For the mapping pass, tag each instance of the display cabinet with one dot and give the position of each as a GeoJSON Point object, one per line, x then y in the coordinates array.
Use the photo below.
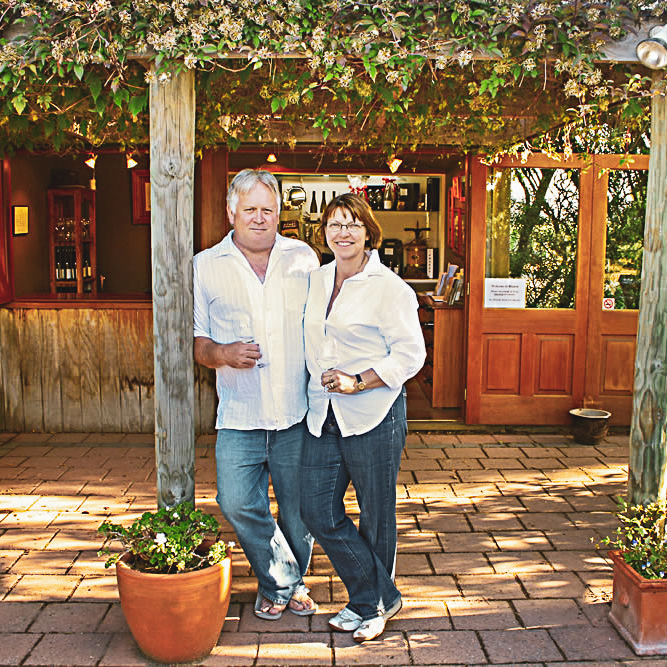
{"type": "Point", "coordinates": [72, 245]}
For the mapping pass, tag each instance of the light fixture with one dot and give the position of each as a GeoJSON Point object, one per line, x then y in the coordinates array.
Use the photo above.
{"type": "Point", "coordinates": [652, 52]}
{"type": "Point", "coordinates": [394, 163]}
{"type": "Point", "coordinates": [271, 157]}
{"type": "Point", "coordinates": [91, 160]}
{"type": "Point", "coordinates": [131, 162]}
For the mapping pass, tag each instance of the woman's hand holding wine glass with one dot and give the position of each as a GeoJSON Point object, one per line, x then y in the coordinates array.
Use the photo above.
{"type": "Point", "coordinates": [327, 358]}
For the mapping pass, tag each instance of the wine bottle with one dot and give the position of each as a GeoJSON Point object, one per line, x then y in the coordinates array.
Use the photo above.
{"type": "Point", "coordinates": [389, 196]}
{"type": "Point", "coordinates": [323, 203]}
{"type": "Point", "coordinates": [313, 208]}
{"type": "Point", "coordinates": [68, 269]}
{"type": "Point", "coordinates": [59, 267]}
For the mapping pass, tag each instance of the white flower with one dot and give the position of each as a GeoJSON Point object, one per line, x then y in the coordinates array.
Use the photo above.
{"type": "Point", "coordinates": [160, 538]}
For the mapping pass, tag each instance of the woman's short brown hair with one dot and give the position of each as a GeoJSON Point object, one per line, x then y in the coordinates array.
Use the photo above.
{"type": "Point", "coordinates": [358, 209]}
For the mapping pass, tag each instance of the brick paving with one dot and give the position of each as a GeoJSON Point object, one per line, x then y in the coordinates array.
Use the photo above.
{"type": "Point", "coordinates": [495, 562]}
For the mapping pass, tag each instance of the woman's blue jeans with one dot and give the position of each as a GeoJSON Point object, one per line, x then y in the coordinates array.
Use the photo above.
{"type": "Point", "coordinates": [279, 552]}
{"type": "Point", "coordinates": [364, 559]}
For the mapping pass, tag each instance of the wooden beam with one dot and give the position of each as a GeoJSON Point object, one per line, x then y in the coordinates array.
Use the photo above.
{"type": "Point", "coordinates": [172, 133]}
{"type": "Point", "coordinates": [213, 218]}
{"type": "Point", "coordinates": [647, 480]}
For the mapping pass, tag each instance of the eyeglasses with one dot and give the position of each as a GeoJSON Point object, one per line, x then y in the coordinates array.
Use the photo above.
{"type": "Point", "coordinates": [351, 227]}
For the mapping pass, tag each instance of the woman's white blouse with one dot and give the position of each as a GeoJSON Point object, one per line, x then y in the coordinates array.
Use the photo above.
{"type": "Point", "coordinates": [376, 324]}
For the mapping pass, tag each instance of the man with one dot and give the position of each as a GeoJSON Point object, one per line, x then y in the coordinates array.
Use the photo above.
{"type": "Point", "coordinates": [249, 297]}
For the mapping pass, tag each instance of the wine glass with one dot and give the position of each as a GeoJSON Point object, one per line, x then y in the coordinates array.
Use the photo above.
{"type": "Point", "coordinates": [327, 355]}
{"type": "Point", "coordinates": [244, 332]}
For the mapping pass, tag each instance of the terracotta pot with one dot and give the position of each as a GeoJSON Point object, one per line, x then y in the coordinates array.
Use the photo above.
{"type": "Point", "coordinates": [175, 617]}
{"type": "Point", "coordinates": [638, 608]}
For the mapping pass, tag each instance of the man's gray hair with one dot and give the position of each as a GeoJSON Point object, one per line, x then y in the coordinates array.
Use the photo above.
{"type": "Point", "coordinates": [246, 180]}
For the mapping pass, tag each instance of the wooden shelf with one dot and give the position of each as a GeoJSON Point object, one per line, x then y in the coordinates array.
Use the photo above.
{"type": "Point", "coordinates": [441, 378]}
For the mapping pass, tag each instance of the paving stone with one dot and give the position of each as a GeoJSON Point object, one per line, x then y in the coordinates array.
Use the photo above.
{"type": "Point", "coordinates": [468, 542]}
{"type": "Point", "coordinates": [70, 650]}
{"type": "Point", "coordinates": [296, 648]}
{"type": "Point", "coordinates": [418, 543]}
{"type": "Point", "coordinates": [524, 476]}
{"type": "Point", "coordinates": [413, 564]}
{"type": "Point", "coordinates": [18, 616]}
{"type": "Point", "coordinates": [443, 523]}
{"type": "Point", "coordinates": [546, 521]}
{"type": "Point", "coordinates": [288, 622]}
{"type": "Point", "coordinates": [594, 644]}
{"type": "Point", "coordinates": [114, 621]}
{"type": "Point", "coordinates": [474, 490]}
{"type": "Point", "coordinates": [528, 540]}
{"type": "Point", "coordinates": [488, 476]}
{"type": "Point", "coordinates": [591, 503]}
{"type": "Point", "coordinates": [550, 613]}
{"type": "Point", "coordinates": [69, 617]}
{"type": "Point", "coordinates": [494, 521]}
{"type": "Point", "coordinates": [43, 562]}
{"type": "Point", "coordinates": [498, 504]}
{"type": "Point", "coordinates": [45, 588]}
{"type": "Point", "coordinates": [552, 585]}
{"type": "Point", "coordinates": [513, 562]}
{"type": "Point", "coordinates": [543, 464]}
{"type": "Point", "coordinates": [424, 614]}
{"type": "Point", "coordinates": [470, 614]}
{"type": "Point", "coordinates": [434, 476]}
{"type": "Point", "coordinates": [7, 558]}
{"type": "Point", "coordinates": [434, 587]}
{"type": "Point", "coordinates": [96, 589]}
{"type": "Point", "coordinates": [452, 648]}
{"type": "Point", "coordinates": [14, 647]}
{"type": "Point", "coordinates": [388, 649]}
{"type": "Point", "coordinates": [577, 560]}
{"type": "Point", "coordinates": [461, 563]}
{"type": "Point", "coordinates": [490, 587]}
{"type": "Point", "coordinates": [122, 651]}
{"type": "Point", "coordinates": [519, 645]}
{"type": "Point", "coordinates": [502, 464]}
{"type": "Point", "coordinates": [234, 649]}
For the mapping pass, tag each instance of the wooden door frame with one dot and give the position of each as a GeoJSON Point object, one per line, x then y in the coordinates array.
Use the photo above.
{"type": "Point", "coordinates": [477, 262]}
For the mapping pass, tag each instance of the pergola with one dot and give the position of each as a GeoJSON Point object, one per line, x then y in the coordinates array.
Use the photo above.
{"type": "Point", "coordinates": [172, 157]}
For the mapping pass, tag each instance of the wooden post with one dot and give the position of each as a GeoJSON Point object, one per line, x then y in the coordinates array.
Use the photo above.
{"type": "Point", "coordinates": [172, 132]}
{"type": "Point", "coordinates": [648, 436]}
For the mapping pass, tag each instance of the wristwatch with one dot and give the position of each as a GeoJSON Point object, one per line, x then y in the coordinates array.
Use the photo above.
{"type": "Point", "coordinates": [361, 385]}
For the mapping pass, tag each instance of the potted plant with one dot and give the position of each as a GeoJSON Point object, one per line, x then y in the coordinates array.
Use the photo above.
{"type": "Point", "coordinates": [639, 554]}
{"type": "Point", "coordinates": [174, 581]}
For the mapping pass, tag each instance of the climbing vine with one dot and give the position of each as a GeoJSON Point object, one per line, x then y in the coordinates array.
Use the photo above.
{"type": "Point", "coordinates": [389, 73]}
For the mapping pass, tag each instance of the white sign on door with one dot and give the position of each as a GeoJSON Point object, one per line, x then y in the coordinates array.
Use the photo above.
{"type": "Point", "coordinates": [504, 292]}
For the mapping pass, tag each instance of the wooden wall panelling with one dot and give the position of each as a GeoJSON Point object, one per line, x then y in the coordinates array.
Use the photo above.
{"type": "Point", "coordinates": [70, 376]}
{"type": "Point", "coordinates": [147, 379]}
{"type": "Point", "coordinates": [51, 371]}
{"type": "Point", "coordinates": [91, 398]}
{"type": "Point", "coordinates": [3, 396]}
{"type": "Point", "coordinates": [31, 352]}
{"type": "Point", "coordinates": [128, 351]}
{"type": "Point", "coordinates": [11, 371]}
{"type": "Point", "coordinates": [110, 397]}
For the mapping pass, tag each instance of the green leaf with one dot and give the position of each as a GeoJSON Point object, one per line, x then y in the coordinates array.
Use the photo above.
{"type": "Point", "coordinates": [275, 104]}
{"type": "Point", "coordinates": [94, 85]}
{"type": "Point", "coordinates": [19, 103]}
{"type": "Point", "coordinates": [78, 70]}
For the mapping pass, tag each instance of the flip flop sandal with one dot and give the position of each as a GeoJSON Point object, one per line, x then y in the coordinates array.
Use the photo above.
{"type": "Point", "coordinates": [310, 606]}
{"type": "Point", "coordinates": [263, 609]}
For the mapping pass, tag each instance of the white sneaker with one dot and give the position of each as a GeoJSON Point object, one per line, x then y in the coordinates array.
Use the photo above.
{"type": "Point", "coordinates": [345, 620]}
{"type": "Point", "coordinates": [374, 627]}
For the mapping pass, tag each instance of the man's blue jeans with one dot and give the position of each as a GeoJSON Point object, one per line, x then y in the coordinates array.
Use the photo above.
{"type": "Point", "coordinates": [279, 553]}
{"type": "Point", "coordinates": [364, 559]}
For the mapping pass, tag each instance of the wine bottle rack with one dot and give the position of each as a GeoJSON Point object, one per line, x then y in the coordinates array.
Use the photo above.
{"type": "Point", "coordinates": [72, 241]}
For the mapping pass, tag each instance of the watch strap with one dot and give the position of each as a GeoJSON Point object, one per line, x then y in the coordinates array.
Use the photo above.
{"type": "Point", "coordinates": [361, 385]}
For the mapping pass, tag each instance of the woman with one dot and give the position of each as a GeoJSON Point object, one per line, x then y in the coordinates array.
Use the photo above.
{"type": "Point", "coordinates": [356, 411]}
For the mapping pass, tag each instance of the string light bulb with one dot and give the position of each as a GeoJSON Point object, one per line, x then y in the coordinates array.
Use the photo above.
{"type": "Point", "coordinates": [271, 157]}
{"type": "Point", "coordinates": [91, 161]}
{"type": "Point", "coordinates": [394, 163]}
{"type": "Point", "coordinates": [131, 162]}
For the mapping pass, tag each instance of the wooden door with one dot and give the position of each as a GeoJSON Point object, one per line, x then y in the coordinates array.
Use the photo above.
{"type": "Point", "coordinates": [612, 331]}
{"type": "Point", "coordinates": [526, 365]}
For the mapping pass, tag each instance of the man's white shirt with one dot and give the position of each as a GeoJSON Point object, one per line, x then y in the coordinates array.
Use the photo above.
{"type": "Point", "coordinates": [226, 288]}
